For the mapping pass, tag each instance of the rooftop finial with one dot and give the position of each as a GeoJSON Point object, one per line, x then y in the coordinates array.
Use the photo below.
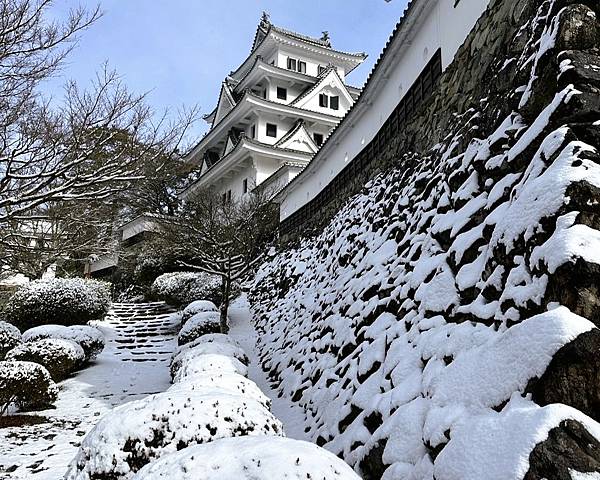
{"type": "Point", "coordinates": [325, 37]}
{"type": "Point", "coordinates": [265, 20]}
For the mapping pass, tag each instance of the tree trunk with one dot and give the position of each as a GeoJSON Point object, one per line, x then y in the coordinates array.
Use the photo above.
{"type": "Point", "coordinates": [226, 290]}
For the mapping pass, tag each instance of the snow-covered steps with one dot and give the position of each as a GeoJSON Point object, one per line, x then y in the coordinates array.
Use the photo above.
{"type": "Point", "coordinates": [135, 363]}
{"type": "Point", "coordinates": [144, 332]}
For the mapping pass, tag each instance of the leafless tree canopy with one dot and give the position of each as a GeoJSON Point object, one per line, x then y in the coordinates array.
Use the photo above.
{"type": "Point", "coordinates": [88, 147]}
{"type": "Point", "coordinates": [227, 239]}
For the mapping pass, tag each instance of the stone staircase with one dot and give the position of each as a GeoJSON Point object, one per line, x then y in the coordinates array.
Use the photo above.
{"type": "Point", "coordinates": [144, 332]}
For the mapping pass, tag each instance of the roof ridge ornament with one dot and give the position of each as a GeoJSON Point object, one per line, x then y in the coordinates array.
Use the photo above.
{"type": "Point", "coordinates": [265, 20]}
{"type": "Point", "coordinates": [325, 38]}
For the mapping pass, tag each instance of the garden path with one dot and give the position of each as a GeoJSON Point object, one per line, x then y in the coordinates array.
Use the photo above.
{"type": "Point", "coordinates": [242, 330]}
{"type": "Point", "coordinates": [135, 363]}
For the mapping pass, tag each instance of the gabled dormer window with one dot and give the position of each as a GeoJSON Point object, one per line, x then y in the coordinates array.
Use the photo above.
{"type": "Point", "coordinates": [327, 101]}
{"type": "Point", "coordinates": [296, 65]}
{"type": "Point", "coordinates": [334, 103]}
{"type": "Point", "coordinates": [323, 100]}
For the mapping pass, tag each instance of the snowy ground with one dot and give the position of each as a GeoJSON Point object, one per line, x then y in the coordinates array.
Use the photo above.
{"type": "Point", "coordinates": [135, 363]}
{"type": "Point", "coordinates": [241, 329]}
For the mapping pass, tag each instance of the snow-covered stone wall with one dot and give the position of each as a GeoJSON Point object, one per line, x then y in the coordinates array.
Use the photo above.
{"type": "Point", "coordinates": [444, 324]}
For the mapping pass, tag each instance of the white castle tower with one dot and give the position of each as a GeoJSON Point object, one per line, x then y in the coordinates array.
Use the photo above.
{"type": "Point", "coordinates": [274, 112]}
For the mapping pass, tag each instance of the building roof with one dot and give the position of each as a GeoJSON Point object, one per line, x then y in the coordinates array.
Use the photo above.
{"type": "Point", "coordinates": [245, 142]}
{"type": "Point", "coordinates": [266, 29]}
{"type": "Point", "coordinates": [406, 16]}
{"type": "Point", "coordinates": [322, 78]}
{"type": "Point", "coordinates": [248, 97]}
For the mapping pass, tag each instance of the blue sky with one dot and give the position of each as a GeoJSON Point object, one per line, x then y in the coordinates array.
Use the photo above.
{"type": "Point", "coordinates": [180, 50]}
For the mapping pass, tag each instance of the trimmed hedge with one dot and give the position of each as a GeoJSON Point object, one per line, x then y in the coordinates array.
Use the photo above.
{"type": "Point", "coordinates": [62, 301]}
{"type": "Point", "coordinates": [182, 288]}
{"type": "Point", "coordinates": [28, 385]}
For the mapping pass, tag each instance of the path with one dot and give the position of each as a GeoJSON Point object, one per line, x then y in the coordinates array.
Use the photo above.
{"type": "Point", "coordinates": [242, 330]}
{"type": "Point", "coordinates": [135, 363]}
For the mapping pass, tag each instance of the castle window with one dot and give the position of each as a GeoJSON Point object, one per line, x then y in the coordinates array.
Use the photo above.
{"type": "Point", "coordinates": [302, 67]}
{"type": "Point", "coordinates": [321, 69]}
{"type": "Point", "coordinates": [271, 130]}
{"type": "Point", "coordinates": [292, 63]}
{"type": "Point", "coordinates": [318, 138]}
{"type": "Point", "coordinates": [245, 185]}
{"type": "Point", "coordinates": [253, 131]}
{"type": "Point", "coordinates": [282, 93]}
{"type": "Point", "coordinates": [323, 100]}
{"type": "Point", "coordinates": [224, 197]}
{"type": "Point", "coordinates": [229, 195]}
{"type": "Point", "coordinates": [334, 103]}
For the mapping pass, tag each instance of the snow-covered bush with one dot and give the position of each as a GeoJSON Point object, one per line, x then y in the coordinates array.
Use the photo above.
{"type": "Point", "coordinates": [60, 357]}
{"type": "Point", "coordinates": [64, 301]}
{"type": "Point", "coordinates": [209, 338]}
{"type": "Point", "coordinates": [198, 306]}
{"type": "Point", "coordinates": [135, 434]}
{"type": "Point", "coordinates": [89, 338]}
{"type": "Point", "coordinates": [208, 363]}
{"type": "Point", "coordinates": [200, 324]}
{"type": "Point", "coordinates": [232, 382]}
{"type": "Point", "coordinates": [212, 348]}
{"type": "Point", "coordinates": [181, 288]}
{"type": "Point", "coordinates": [28, 385]}
{"type": "Point", "coordinates": [10, 337]}
{"type": "Point", "coordinates": [249, 458]}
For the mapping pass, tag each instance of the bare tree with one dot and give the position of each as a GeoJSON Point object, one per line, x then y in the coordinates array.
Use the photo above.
{"type": "Point", "coordinates": [90, 148]}
{"type": "Point", "coordinates": [227, 239]}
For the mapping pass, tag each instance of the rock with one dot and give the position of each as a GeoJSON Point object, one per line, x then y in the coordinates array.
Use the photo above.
{"type": "Point", "coordinates": [573, 376]}
{"type": "Point", "coordinates": [568, 447]}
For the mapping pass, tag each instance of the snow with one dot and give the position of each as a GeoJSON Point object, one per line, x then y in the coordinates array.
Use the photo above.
{"type": "Point", "coordinates": [496, 446]}
{"type": "Point", "coordinates": [200, 324]}
{"type": "Point", "coordinates": [60, 357]}
{"type": "Point", "coordinates": [208, 363]}
{"type": "Point", "coordinates": [211, 348]}
{"type": "Point", "coordinates": [198, 306]}
{"type": "Point", "coordinates": [243, 333]}
{"type": "Point", "coordinates": [249, 458]}
{"type": "Point", "coordinates": [88, 337]}
{"type": "Point", "coordinates": [134, 434]}
{"type": "Point", "coordinates": [127, 369]}
{"type": "Point", "coordinates": [10, 337]}
{"type": "Point", "coordinates": [232, 382]}
{"type": "Point", "coordinates": [568, 242]}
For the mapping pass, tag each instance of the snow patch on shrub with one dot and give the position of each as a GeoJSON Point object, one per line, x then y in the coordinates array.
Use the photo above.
{"type": "Point", "coordinates": [250, 458]}
{"type": "Point", "coordinates": [215, 348]}
{"type": "Point", "coordinates": [200, 324]}
{"type": "Point", "coordinates": [27, 385]}
{"type": "Point", "coordinates": [91, 339]}
{"type": "Point", "coordinates": [208, 363]}
{"type": "Point", "coordinates": [181, 288]}
{"type": "Point", "coordinates": [198, 306]}
{"type": "Point", "coordinates": [10, 337]}
{"type": "Point", "coordinates": [232, 383]}
{"type": "Point", "coordinates": [60, 357]}
{"type": "Point", "coordinates": [139, 432]}
{"type": "Point", "coordinates": [63, 301]}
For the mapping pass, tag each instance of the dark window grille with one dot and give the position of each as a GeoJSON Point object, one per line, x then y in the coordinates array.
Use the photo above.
{"type": "Point", "coordinates": [282, 93]}
{"type": "Point", "coordinates": [318, 137]}
{"type": "Point", "coordinates": [334, 103]}
{"type": "Point", "coordinates": [291, 63]}
{"type": "Point", "coordinates": [323, 100]}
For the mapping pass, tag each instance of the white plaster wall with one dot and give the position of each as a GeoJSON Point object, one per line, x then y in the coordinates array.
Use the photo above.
{"type": "Point", "coordinates": [442, 26]}
{"type": "Point", "coordinates": [283, 126]}
{"type": "Point", "coordinates": [292, 92]}
{"type": "Point", "coordinates": [235, 182]}
{"type": "Point", "coordinates": [313, 104]}
{"type": "Point", "coordinates": [137, 226]}
{"type": "Point", "coordinates": [312, 63]}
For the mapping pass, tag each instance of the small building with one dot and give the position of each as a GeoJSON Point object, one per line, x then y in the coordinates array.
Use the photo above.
{"type": "Point", "coordinates": [273, 113]}
{"type": "Point", "coordinates": [129, 235]}
{"type": "Point", "coordinates": [421, 47]}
